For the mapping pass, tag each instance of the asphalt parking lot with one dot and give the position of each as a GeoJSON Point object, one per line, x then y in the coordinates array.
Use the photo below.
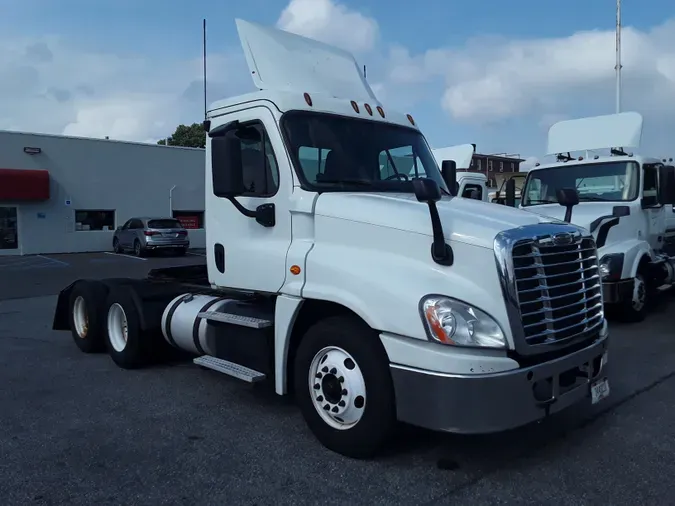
{"type": "Point", "coordinates": [75, 429]}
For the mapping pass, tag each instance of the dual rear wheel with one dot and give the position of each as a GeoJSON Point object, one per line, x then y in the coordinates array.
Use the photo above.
{"type": "Point", "coordinates": [342, 381]}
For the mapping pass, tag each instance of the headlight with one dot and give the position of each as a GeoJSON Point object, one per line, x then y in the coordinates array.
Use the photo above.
{"type": "Point", "coordinates": [450, 321]}
{"type": "Point", "coordinates": [611, 266]}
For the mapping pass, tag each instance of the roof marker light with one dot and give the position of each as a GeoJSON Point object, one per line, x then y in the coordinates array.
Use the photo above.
{"type": "Point", "coordinates": [308, 99]}
{"type": "Point", "coordinates": [410, 118]}
{"type": "Point", "coordinates": [355, 106]}
{"type": "Point", "coordinates": [368, 108]}
{"type": "Point", "coordinates": [380, 110]}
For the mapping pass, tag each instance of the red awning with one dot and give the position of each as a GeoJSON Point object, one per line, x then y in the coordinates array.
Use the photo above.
{"type": "Point", "coordinates": [24, 184]}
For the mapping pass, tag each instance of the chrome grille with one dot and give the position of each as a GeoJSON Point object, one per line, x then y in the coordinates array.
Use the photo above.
{"type": "Point", "coordinates": [557, 287]}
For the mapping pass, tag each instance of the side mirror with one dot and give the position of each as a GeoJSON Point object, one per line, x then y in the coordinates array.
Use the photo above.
{"type": "Point", "coordinates": [426, 190]}
{"type": "Point", "coordinates": [667, 184]}
{"type": "Point", "coordinates": [510, 193]}
{"type": "Point", "coordinates": [620, 211]}
{"type": "Point", "coordinates": [568, 198]}
{"type": "Point", "coordinates": [449, 173]}
{"type": "Point", "coordinates": [226, 168]}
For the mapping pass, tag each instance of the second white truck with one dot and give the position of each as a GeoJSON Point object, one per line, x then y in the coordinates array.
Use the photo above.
{"type": "Point", "coordinates": [371, 297]}
{"type": "Point", "coordinates": [624, 200]}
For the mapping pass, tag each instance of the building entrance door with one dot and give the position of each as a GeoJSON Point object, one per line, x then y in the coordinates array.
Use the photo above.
{"type": "Point", "coordinates": [9, 231]}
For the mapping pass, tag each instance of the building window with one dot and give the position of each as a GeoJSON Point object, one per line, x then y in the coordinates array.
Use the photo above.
{"type": "Point", "coordinates": [192, 220]}
{"type": "Point", "coordinates": [480, 164]}
{"type": "Point", "coordinates": [490, 165]}
{"type": "Point", "coordinates": [501, 166]}
{"type": "Point", "coordinates": [513, 167]}
{"type": "Point", "coordinates": [94, 219]}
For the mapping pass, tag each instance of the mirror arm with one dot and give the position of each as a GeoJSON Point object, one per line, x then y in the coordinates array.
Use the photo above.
{"type": "Point", "coordinates": [441, 252]}
{"type": "Point", "coordinates": [246, 212]}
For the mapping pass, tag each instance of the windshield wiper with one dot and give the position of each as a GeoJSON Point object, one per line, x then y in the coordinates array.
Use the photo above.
{"type": "Point", "coordinates": [592, 198]}
{"type": "Point", "coordinates": [361, 182]}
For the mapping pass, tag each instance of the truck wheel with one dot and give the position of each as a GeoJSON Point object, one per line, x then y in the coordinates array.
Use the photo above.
{"type": "Point", "coordinates": [124, 338]}
{"type": "Point", "coordinates": [344, 387]}
{"type": "Point", "coordinates": [86, 304]}
{"type": "Point", "coordinates": [635, 309]}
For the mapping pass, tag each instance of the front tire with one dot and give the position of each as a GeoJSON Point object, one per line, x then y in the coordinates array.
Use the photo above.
{"type": "Point", "coordinates": [344, 388]}
{"type": "Point", "coordinates": [116, 246]}
{"type": "Point", "coordinates": [636, 308]}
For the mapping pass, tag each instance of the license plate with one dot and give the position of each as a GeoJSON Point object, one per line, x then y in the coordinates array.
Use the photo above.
{"type": "Point", "coordinates": [599, 390]}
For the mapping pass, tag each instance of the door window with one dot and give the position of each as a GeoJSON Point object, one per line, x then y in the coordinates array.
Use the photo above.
{"type": "Point", "coordinates": [473, 191]}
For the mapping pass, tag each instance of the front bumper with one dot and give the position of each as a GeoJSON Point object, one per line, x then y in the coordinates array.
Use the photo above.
{"type": "Point", "coordinates": [484, 403]}
{"type": "Point", "coordinates": [617, 291]}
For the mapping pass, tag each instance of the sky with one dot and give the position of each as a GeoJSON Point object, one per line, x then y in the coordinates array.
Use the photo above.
{"type": "Point", "coordinates": [488, 72]}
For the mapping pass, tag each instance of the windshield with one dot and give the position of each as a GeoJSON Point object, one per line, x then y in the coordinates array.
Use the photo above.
{"type": "Point", "coordinates": [337, 153]}
{"type": "Point", "coordinates": [595, 182]}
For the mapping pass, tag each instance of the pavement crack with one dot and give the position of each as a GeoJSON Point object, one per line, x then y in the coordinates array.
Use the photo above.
{"type": "Point", "coordinates": [561, 435]}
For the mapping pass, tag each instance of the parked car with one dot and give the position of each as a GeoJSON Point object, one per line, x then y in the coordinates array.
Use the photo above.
{"type": "Point", "coordinates": [142, 235]}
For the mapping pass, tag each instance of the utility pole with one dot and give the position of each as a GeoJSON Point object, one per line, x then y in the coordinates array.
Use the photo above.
{"type": "Point", "coordinates": [618, 56]}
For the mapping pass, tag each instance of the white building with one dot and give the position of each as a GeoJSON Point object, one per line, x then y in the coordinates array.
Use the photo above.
{"type": "Point", "coordinates": [67, 194]}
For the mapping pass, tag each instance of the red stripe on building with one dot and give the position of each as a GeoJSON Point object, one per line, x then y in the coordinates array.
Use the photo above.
{"type": "Point", "coordinates": [24, 184]}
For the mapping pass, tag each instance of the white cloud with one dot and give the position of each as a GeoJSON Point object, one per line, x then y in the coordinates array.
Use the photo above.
{"type": "Point", "coordinates": [529, 162]}
{"type": "Point", "coordinates": [495, 78]}
{"type": "Point", "coordinates": [51, 86]}
{"type": "Point", "coordinates": [330, 22]}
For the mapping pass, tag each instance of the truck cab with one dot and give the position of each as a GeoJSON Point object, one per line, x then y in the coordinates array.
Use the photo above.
{"type": "Point", "coordinates": [342, 269]}
{"type": "Point", "coordinates": [624, 200]}
{"type": "Point", "coordinates": [501, 196]}
{"type": "Point", "coordinates": [470, 183]}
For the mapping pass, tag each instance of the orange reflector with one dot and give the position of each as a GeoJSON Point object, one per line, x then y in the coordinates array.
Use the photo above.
{"type": "Point", "coordinates": [308, 99]}
{"type": "Point", "coordinates": [370, 111]}
{"type": "Point", "coordinates": [410, 118]}
{"type": "Point", "coordinates": [355, 106]}
{"type": "Point", "coordinates": [295, 270]}
{"type": "Point", "coordinates": [380, 110]}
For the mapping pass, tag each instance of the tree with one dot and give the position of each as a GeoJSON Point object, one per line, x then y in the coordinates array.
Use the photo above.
{"type": "Point", "coordinates": [192, 136]}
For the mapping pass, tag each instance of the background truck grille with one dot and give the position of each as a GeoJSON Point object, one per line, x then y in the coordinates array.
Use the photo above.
{"type": "Point", "coordinates": [558, 288]}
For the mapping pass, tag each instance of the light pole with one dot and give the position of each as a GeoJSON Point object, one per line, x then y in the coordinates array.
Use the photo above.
{"type": "Point", "coordinates": [171, 201]}
{"type": "Point", "coordinates": [618, 56]}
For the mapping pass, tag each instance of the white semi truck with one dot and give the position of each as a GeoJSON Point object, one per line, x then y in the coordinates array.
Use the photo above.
{"type": "Point", "coordinates": [624, 200]}
{"type": "Point", "coordinates": [470, 184]}
{"type": "Point", "coordinates": [371, 299]}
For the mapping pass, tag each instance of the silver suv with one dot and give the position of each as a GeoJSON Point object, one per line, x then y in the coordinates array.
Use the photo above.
{"type": "Point", "coordinates": [142, 235]}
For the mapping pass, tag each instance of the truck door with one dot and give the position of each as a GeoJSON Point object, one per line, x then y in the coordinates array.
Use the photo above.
{"type": "Point", "coordinates": [242, 253]}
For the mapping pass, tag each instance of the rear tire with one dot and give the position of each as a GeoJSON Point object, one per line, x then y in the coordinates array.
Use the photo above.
{"type": "Point", "coordinates": [125, 341]}
{"type": "Point", "coordinates": [138, 250]}
{"type": "Point", "coordinates": [86, 310]}
{"type": "Point", "coordinates": [344, 388]}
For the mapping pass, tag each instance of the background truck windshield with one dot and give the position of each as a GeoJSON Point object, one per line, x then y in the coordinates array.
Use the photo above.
{"type": "Point", "coordinates": [337, 153]}
{"type": "Point", "coordinates": [595, 182]}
